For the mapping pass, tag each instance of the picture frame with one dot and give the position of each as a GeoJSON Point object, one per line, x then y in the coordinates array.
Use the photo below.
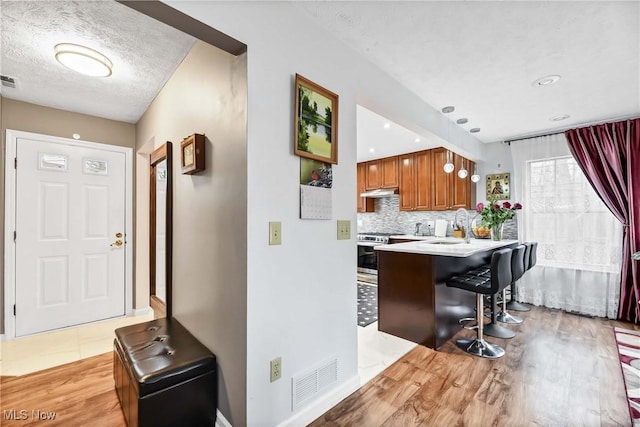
{"type": "Point", "coordinates": [192, 154]}
{"type": "Point", "coordinates": [315, 122]}
{"type": "Point", "coordinates": [499, 186]}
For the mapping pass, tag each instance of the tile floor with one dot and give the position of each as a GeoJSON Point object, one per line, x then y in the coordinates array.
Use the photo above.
{"type": "Point", "coordinates": [37, 352]}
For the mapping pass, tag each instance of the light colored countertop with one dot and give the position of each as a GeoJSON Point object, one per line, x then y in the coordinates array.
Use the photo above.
{"type": "Point", "coordinates": [411, 237]}
{"type": "Point", "coordinates": [451, 246]}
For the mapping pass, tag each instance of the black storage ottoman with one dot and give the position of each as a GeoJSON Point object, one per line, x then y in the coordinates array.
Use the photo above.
{"type": "Point", "coordinates": [164, 376]}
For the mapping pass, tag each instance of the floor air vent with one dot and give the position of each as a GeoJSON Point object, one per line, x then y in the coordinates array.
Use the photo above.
{"type": "Point", "coordinates": [8, 81]}
{"type": "Point", "coordinates": [307, 385]}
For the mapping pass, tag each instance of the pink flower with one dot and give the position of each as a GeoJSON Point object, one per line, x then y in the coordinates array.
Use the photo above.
{"type": "Point", "coordinates": [479, 207]}
{"type": "Point", "coordinates": [496, 207]}
{"type": "Point", "coordinates": [507, 205]}
{"type": "Point", "coordinates": [517, 206]}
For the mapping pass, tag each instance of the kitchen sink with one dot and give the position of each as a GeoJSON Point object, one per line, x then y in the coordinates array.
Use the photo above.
{"type": "Point", "coordinates": [441, 242]}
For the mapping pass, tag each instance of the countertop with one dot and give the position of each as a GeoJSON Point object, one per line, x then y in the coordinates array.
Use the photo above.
{"type": "Point", "coordinates": [411, 237]}
{"type": "Point", "coordinates": [452, 246]}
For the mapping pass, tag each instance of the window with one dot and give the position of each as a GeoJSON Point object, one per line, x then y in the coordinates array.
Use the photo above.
{"type": "Point", "coordinates": [574, 229]}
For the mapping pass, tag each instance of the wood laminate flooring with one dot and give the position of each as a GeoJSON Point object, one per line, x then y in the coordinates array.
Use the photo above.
{"type": "Point", "coordinates": [559, 370]}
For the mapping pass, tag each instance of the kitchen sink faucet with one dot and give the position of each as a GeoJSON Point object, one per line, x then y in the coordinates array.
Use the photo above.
{"type": "Point", "coordinates": [466, 227]}
{"type": "Point", "coordinates": [417, 232]}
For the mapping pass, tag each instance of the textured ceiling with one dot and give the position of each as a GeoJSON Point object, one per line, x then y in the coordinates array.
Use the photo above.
{"type": "Point", "coordinates": [145, 53]}
{"type": "Point", "coordinates": [483, 56]}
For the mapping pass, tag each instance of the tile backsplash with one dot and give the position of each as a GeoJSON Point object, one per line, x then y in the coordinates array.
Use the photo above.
{"type": "Point", "coordinates": [389, 219]}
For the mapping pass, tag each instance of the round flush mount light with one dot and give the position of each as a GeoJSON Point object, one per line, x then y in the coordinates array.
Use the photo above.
{"type": "Point", "coordinates": [462, 121]}
{"type": "Point", "coordinates": [387, 125]}
{"type": "Point", "coordinates": [372, 150]}
{"type": "Point", "coordinates": [547, 80]}
{"type": "Point", "coordinates": [449, 109]}
{"type": "Point", "coordinates": [559, 117]}
{"type": "Point", "coordinates": [474, 130]}
{"type": "Point", "coordinates": [416, 140]}
{"type": "Point", "coordinates": [83, 60]}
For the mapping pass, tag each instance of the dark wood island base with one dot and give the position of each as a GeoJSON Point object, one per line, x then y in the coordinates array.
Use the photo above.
{"type": "Point", "coordinates": [414, 302]}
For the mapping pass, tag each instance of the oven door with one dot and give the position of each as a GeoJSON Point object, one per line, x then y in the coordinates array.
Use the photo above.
{"type": "Point", "coordinates": [367, 258]}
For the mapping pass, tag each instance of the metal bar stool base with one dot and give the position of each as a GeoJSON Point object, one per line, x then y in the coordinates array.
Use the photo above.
{"type": "Point", "coordinates": [480, 347]}
{"type": "Point", "coordinates": [517, 306]}
{"type": "Point", "coordinates": [495, 330]}
{"type": "Point", "coordinates": [505, 317]}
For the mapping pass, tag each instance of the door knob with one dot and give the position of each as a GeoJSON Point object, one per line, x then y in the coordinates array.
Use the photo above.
{"type": "Point", "coordinates": [117, 243]}
{"type": "Point", "coordinates": [118, 235]}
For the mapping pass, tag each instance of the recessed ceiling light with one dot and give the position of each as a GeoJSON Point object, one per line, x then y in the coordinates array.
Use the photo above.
{"type": "Point", "coordinates": [448, 109]}
{"type": "Point", "coordinates": [416, 140]}
{"type": "Point", "coordinates": [372, 150]}
{"type": "Point", "coordinates": [559, 117]}
{"type": "Point", "coordinates": [76, 136]}
{"type": "Point", "coordinates": [462, 121]}
{"type": "Point", "coordinates": [474, 130]}
{"type": "Point", "coordinates": [386, 125]}
{"type": "Point", "coordinates": [547, 80]}
{"type": "Point", "coordinates": [83, 60]}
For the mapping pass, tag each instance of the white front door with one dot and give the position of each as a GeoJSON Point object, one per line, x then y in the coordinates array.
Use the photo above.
{"type": "Point", "coordinates": [70, 242]}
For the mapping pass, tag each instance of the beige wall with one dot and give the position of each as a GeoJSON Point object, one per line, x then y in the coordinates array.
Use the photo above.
{"type": "Point", "coordinates": [18, 115]}
{"type": "Point", "coordinates": [207, 94]}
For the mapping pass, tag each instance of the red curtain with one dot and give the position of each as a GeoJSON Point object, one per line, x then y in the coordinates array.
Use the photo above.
{"type": "Point", "coordinates": [609, 156]}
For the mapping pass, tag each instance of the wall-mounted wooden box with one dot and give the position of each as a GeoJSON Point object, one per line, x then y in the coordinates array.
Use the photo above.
{"type": "Point", "coordinates": [192, 154]}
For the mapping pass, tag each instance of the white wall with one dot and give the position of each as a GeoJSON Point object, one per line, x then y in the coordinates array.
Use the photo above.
{"type": "Point", "coordinates": [301, 296]}
{"type": "Point", "coordinates": [207, 95]}
{"type": "Point", "coordinates": [497, 159]}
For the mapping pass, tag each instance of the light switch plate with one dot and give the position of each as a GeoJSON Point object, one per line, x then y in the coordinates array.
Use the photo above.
{"type": "Point", "coordinates": [275, 233]}
{"type": "Point", "coordinates": [344, 229]}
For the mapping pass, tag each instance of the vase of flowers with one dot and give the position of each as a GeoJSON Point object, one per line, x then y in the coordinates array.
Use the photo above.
{"type": "Point", "coordinates": [495, 215]}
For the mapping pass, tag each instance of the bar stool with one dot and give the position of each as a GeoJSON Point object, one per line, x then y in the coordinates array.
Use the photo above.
{"type": "Point", "coordinates": [499, 279]}
{"type": "Point", "coordinates": [513, 304]}
{"type": "Point", "coordinates": [492, 329]}
{"type": "Point", "coordinates": [517, 270]}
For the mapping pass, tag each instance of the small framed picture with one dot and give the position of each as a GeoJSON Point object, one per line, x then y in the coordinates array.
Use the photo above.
{"type": "Point", "coordinates": [192, 154]}
{"type": "Point", "coordinates": [316, 122]}
{"type": "Point", "coordinates": [498, 186]}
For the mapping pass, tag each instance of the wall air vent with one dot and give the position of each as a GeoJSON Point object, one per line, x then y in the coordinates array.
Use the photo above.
{"type": "Point", "coordinates": [309, 384]}
{"type": "Point", "coordinates": [7, 81]}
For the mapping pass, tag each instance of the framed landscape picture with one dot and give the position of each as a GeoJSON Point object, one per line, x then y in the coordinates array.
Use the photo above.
{"type": "Point", "coordinates": [498, 186]}
{"type": "Point", "coordinates": [316, 122]}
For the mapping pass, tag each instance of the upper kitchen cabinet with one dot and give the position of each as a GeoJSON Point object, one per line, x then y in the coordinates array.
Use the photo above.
{"type": "Point", "coordinates": [365, 204]}
{"type": "Point", "coordinates": [450, 191]}
{"type": "Point", "coordinates": [415, 181]}
{"type": "Point", "coordinates": [382, 173]}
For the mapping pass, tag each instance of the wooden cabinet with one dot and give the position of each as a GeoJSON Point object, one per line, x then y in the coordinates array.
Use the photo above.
{"type": "Point", "coordinates": [415, 181]}
{"type": "Point", "coordinates": [449, 191]}
{"type": "Point", "coordinates": [382, 173]}
{"type": "Point", "coordinates": [364, 204]}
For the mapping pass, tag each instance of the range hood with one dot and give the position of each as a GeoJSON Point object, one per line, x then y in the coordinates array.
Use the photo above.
{"type": "Point", "coordinates": [379, 193]}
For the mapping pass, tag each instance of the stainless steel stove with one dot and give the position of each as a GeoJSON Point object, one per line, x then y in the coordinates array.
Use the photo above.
{"type": "Point", "coordinates": [367, 257]}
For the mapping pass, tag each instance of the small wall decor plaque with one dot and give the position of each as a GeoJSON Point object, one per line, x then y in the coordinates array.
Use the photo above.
{"type": "Point", "coordinates": [192, 154]}
{"type": "Point", "coordinates": [498, 186]}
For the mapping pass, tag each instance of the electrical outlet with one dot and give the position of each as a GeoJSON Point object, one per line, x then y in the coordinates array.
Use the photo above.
{"type": "Point", "coordinates": [275, 233]}
{"type": "Point", "coordinates": [276, 369]}
{"type": "Point", "coordinates": [431, 224]}
{"type": "Point", "coordinates": [344, 229]}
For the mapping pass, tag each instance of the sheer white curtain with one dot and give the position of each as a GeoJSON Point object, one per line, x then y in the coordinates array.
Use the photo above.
{"type": "Point", "coordinates": [579, 240]}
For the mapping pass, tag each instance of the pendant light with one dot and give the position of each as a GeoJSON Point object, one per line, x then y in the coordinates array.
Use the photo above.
{"type": "Point", "coordinates": [463, 173]}
{"type": "Point", "coordinates": [448, 167]}
{"type": "Point", "coordinates": [475, 177]}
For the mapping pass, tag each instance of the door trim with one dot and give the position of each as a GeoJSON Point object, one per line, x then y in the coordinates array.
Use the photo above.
{"type": "Point", "coordinates": [11, 139]}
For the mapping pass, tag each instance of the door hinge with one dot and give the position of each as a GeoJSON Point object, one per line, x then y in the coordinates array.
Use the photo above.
{"type": "Point", "coordinates": [15, 163]}
{"type": "Point", "coordinates": [14, 309]}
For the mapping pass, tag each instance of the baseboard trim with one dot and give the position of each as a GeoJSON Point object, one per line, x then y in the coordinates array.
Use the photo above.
{"type": "Point", "coordinates": [142, 311]}
{"type": "Point", "coordinates": [310, 413]}
{"type": "Point", "coordinates": [221, 421]}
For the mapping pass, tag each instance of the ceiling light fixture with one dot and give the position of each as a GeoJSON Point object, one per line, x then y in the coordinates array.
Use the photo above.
{"type": "Point", "coordinates": [463, 173]}
{"type": "Point", "coordinates": [449, 109]}
{"type": "Point", "coordinates": [475, 177]}
{"type": "Point", "coordinates": [83, 60]}
{"type": "Point", "coordinates": [474, 130]}
{"type": "Point", "coordinates": [559, 118]}
{"type": "Point", "coordinates": [416, 140]}
{"type": "Point", "coordinates": [462, 121]}
{"type": "Point", "coordinates": [386, 125]}
{"type": "Point", "coordinates": [372, 150]}
{"type": "Point", "coordinates": [547, 80]}
{"type": "Point", "coordinates": [448, 167]}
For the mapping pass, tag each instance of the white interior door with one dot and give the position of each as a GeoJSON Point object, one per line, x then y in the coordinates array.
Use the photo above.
{"type": "Point", "coordinates": [70, 225]}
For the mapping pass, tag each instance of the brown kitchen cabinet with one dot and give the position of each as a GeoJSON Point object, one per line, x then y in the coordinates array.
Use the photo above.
{"type": "Point", "coordinates": [364, 204]}
{"type": "Point", "coordinates": [449, 191]}
{"type": "Point", "coordinates": [415, 181]}
{"type": "Point", "coordinates": [382, 173]}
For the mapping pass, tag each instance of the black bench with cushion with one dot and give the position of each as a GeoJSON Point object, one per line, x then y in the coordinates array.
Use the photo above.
{"type": "Point", "coordinates": [164, 376]}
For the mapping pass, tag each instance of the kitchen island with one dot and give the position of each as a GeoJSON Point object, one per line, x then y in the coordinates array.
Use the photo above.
{"type": "Point", "coordinates": [414, 302]}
